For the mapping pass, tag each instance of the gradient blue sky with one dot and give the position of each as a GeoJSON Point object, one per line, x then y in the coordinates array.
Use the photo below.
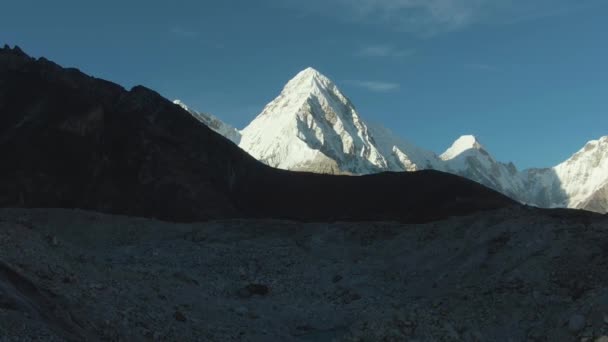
{"type": "Point", "coordinates": [529, 78]}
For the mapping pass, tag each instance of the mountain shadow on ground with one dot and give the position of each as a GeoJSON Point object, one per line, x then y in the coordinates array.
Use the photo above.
{"type": "Point", "coordinates": [68, 140]}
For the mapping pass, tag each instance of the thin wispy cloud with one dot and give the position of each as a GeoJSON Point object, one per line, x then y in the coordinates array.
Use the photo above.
{"type": "Point", "coordinates": [375, 86]}
{"type": "Point", "coordinates": [183, 32]}
{"type": "Point", "coordinates": [383, 50]}
{"type": "Point", "coordinates": [431, 17]}
{"type": "Point", "coordinates": [481, 67]}
{"type": "Point", "coordinates": [422, 17]}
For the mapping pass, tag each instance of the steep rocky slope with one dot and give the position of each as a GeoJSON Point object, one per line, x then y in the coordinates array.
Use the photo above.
{"type": "Point", "coordinates": [70, 140]}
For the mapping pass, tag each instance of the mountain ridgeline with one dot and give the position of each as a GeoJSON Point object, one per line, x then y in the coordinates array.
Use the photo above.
{"type": "Point", "coordinates": [312, 126]}
{"type": "Point", "coordinates": [69, 140]}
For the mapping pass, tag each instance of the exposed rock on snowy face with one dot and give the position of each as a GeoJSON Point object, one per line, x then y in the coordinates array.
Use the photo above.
{"type": "Point", "coordinates": [69, 140]}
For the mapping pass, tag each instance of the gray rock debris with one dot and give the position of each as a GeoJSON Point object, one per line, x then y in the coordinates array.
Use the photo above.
{"type": "Point", "coordinates": [505, 275]}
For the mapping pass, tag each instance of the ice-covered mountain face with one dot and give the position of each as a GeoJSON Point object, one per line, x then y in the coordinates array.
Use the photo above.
{"type": "Point", "coordinates": [214, 123]}
{"type": "Point", "coordinates": [312, 126]}
{"type": "Point", "coordinates": [468, 158]}
{"type": "Point", "coordinates": [401, 155]}
{"type": "Point", "coordinates": [579, 182]}
{"type": "Point", "coordinates": [585, 174]}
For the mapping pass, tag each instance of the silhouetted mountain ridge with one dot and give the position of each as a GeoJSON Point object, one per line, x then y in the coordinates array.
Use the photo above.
{"type": "Point", "coordinates": [74, 141]}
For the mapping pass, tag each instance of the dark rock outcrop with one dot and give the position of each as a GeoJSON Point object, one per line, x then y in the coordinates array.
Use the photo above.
{"type": "Point", "coordinates": [73, 141]}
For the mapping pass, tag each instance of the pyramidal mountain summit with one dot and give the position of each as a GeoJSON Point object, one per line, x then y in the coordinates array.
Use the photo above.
{"type": "Point", "coordinates": [312, 126]}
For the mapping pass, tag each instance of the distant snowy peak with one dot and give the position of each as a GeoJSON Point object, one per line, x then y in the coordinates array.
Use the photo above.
{"type": "Point", "coordinates": [465, 153]}
{"type": "Point", "coordinates": [309, 84]}
{"type": "Point", "coordinates": [468, 158]}
{"type": "Point", "coordinates": [309, 80]}
{"type": "Point", "coordinates": [214, 123]}
{"type": "Point", "coordinates": [461, 145]}
{"type": "Point", "coordinates": [585, 173]}
{"type": "Point", "coordinates": [312, 126]}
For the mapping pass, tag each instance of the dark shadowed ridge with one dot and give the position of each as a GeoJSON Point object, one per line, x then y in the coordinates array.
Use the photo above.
{"type": "Point", "coordinates": [69, 140]}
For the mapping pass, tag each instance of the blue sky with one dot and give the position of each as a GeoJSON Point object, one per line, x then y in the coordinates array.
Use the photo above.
{"type": "Point", "coordinates": [529, 78]}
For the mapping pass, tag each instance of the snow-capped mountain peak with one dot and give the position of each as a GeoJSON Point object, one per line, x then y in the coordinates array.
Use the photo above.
{"type": "Point", "coordinates": [308, 74]}
{"type": "Point", "coordinates": [462, 144]}
{"type": "Point", "coordinates": [468, 158]}
{"type": "Point", "coordinates": [306, 82]}
{"type": "Point", "coordinates": [312, 126]}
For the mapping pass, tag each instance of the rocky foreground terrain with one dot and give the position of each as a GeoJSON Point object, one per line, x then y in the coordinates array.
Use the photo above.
{"type": "Point", "coordinates": [514, 274]}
